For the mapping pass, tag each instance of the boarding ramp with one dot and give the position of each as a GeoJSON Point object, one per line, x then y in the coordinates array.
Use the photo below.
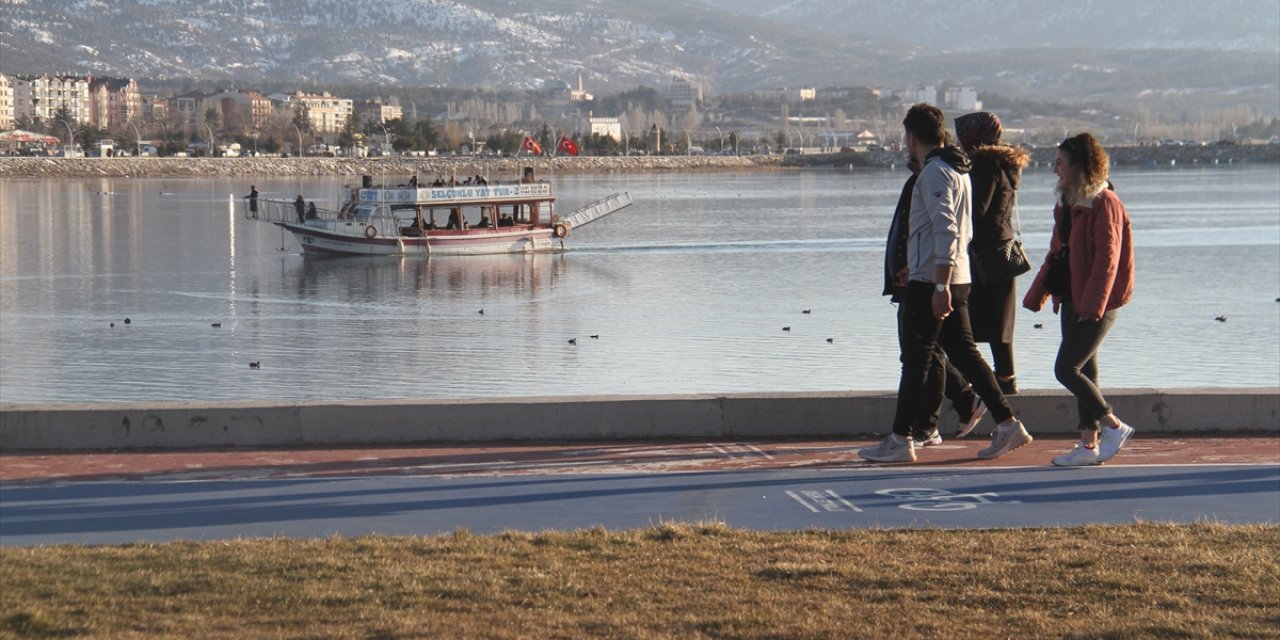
{"type": "Point", "coordinates": [597, 209]}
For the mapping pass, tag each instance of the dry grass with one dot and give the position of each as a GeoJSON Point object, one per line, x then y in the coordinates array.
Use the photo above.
{"type": "Point", "coordinates": [671, 581]}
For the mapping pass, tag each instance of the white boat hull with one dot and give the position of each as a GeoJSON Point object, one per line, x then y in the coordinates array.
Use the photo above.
{"type": "Point", "coordinates": [317, 240]}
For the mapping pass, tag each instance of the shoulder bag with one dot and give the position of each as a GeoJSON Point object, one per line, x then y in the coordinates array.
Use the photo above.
{"type": "Point", "coordinates": [1002, 261]}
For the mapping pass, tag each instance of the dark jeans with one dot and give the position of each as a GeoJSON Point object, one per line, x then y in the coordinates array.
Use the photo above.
{"type": "Point", "coordinates": [1002, 358]}
{"type": "Point", "coordinates": [923, 371]}
{"type": "Point", "coordinates": [955, 388]}
{"type": "Point", "coordinates": [1077, 364]}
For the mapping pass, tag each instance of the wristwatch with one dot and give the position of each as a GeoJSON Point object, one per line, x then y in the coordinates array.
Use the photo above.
{"type": "Point", "coordinates": [940, 288]}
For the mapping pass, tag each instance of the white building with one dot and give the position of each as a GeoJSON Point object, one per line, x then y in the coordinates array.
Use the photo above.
{"type": "Point", "coordinates": [328, 113]}
{"type": "Point", "coordinates": [803, 94]}
{"type": "Point", "coordinates": [962, 97]}
{"type": "Point", "coordinates": [44, 96]}
{"type": "Point", "coordinates": [922, 93]}
{"type": "Point", "coordinates": [605, 126]}
{"type": "Point", "coordinates": [6, 102]}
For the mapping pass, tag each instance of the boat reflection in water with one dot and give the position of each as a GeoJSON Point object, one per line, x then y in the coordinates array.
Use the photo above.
{"type": "Point", "coordinates": [373, 279]}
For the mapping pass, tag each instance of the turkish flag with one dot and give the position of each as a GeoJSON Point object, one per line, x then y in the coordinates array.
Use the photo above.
{"type": "Point", "coordinates": [566, 145]}
{"type": "Point", "coordinates": [531, 146]}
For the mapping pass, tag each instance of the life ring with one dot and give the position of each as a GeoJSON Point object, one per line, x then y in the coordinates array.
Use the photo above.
{"type": "Point", "coordinates": [370, 231]}
{"type": "Point", "coordinates": [561, 230]}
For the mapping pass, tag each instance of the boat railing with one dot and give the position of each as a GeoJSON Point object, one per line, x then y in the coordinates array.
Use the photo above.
{"type": "Point", "coordinates": [270, 210]}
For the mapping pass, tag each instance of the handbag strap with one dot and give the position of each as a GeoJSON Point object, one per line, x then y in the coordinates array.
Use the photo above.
{"type": "Point", "coordinates": [1017, 219]}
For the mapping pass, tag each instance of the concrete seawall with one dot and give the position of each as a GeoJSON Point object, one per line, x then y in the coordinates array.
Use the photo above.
{"type": "Point", "coordinates": [195, 425]}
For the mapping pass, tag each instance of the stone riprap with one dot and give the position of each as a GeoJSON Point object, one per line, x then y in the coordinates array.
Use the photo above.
{"type": "Point", "coordinates": [426, 168]}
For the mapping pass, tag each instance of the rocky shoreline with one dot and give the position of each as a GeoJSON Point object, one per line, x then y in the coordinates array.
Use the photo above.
{"type": "Point", "coordinates": [424, 167]}
{"type": "Point", "coordinates": [20, 167]}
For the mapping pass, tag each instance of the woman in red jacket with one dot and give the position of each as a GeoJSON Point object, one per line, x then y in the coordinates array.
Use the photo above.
{"type": "Point", "coordinates": [1089, 274]}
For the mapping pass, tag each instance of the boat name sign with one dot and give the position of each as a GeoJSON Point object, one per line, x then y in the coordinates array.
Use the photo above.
{"type": "Point", "coordinates": [454, 194]}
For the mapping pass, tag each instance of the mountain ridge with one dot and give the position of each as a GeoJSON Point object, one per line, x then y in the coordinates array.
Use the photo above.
{"type": "Point", "coordinates": [615, 45]}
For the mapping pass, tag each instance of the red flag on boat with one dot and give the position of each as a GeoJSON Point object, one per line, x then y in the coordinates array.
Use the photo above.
{"type": "Point", "coordinates": [566, 145]}
{"type": "Point", "coordinates": [531, 146]}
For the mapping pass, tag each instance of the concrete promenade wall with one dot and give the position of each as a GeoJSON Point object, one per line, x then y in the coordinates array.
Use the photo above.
{"type": "Point", "coordinates": [191, 425]}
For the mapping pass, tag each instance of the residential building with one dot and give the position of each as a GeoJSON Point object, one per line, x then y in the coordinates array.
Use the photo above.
{"type": "Point", "coordinates": [327, 113]}
{"type": "Point", "coordinates": [788, 95]}
{"type": "Point", "coordinates": [155, 109]}
{"type": "Point", "coordinates": [922, 93]}
{"type": "Point", "coordinates": [113, 102]}
{"type": "Point", "coordinates": [188, 110]}
{"type": "Point", "coordinates": [683, 93]}
{"type": "Point", "coordinates": [6, 103]}
{"type": "Point", "coordinates": [239, 110]}
{"type": "Point", "coordinates": [43, 97]}
{"type": "Point", "coordinates": [962, 97]}
{"type": "Point", "coordinates": [376, 112]}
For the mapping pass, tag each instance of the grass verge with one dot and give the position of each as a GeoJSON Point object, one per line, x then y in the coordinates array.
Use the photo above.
{"type": "Point", "coordinates": [670, 581]}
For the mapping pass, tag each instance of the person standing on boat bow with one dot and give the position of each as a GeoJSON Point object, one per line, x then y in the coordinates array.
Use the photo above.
{"type": "Point", "coordinates": [253, 200]}
{"type": "Point", "coordinates": [300, 206]}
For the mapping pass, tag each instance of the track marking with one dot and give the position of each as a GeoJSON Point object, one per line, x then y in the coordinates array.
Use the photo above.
{"type": "Point", "coordinates": [801, 501]}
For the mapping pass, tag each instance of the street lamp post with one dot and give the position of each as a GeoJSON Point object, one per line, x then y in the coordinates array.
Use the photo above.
{"type": "Point", "coordinates": [137, 139]}
{"type": "Point", "coordinates": [721, 140]}
{"type": "Point", "coordinates": [210, 130]}
{"type": "Point", "coordinates": [299, 132]}
{"type": "Point", "coordinates": [71, 137]}
{"type": "Point", "coordinates": [386, 138]}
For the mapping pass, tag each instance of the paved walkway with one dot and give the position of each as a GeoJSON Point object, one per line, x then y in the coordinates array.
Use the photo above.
{"type": "Point", "coordinates": [156, 496]}
{"type": "Point", "coordinates": [599, 458]}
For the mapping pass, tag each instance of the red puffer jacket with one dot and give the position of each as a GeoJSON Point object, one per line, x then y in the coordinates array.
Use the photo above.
{"type": "Point", "coordinates": [1101, 258]}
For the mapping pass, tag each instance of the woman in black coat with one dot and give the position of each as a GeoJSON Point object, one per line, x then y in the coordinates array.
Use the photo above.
{"type": "Point", "coordinates": [996, 173]}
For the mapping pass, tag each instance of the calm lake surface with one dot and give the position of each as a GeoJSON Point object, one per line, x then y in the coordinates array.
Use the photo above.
{"type": "Point", "coordinates": [688, 291]}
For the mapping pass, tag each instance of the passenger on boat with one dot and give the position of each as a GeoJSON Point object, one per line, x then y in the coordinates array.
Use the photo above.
{"type": "Point", "coordinates": [455, 220]}
{"type": "Point", "coordinates": [528, 175]}
{"type": "Point", "coordinates": [484, 221]}
{"type": "Point", "coordinates": [505, 220]}
{"type": "Point", "coordinates": [311, 211]}
{"type": "Point", "coordinates": [439, 182]}
{"type": "Point", "coordinates": [413, 181]}
{"type": "Point", "coordinates": [300, 206]}
{"type": "Point", "coordinates": [480, 180]}
{"type": "Point", "coordinates": [253, 200]}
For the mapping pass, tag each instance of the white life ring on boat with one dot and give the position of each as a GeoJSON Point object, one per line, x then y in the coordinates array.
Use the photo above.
{"type": "Point", "coordinates": [561, 230]}
{"type": "Point", "coordinates": [370, 231]}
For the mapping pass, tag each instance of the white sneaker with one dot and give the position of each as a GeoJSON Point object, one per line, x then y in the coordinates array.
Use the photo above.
{"type": "Point", "coordinates": [979, 410]}
{"type": "Point", "coordinates": [891, 449]}
{"type": "Point", "coordinates": [931, 439]}
{"type": "Point", "coordinates": [1111, 440]}
{"type": "Point", "coordinates": [1007, 438]}
{"type": "Point", "coordinates": [1080, 456]}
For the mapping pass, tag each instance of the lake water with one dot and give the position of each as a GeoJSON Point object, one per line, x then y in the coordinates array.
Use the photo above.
{"type": "Point", "coordinates": [688, 291]}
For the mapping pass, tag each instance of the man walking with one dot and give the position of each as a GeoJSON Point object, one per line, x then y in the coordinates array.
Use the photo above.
{"type": "Point", "coordinates": [934, 307]}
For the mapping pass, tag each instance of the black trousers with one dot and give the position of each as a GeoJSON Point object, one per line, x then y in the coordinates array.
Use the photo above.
{"type": "Point", "coordinates": [955, 388]}
{"type": "Point", "coordinates": [1077, 364]}
{"type": "Point", "coordinates": [920, 389]}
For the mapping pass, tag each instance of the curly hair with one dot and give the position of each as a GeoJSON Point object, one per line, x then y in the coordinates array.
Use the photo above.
{"type": "Point", "coordinates": [1087, 156]}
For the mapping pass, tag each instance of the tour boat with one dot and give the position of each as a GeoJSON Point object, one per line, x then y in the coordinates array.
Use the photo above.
{"type": "Point", "coordinates": [437, 220]}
